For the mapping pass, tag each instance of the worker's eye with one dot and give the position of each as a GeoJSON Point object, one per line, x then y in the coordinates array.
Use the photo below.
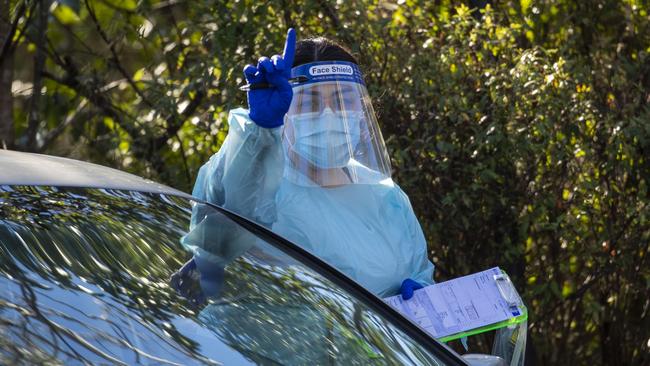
{"type": "Point", "coordinates": [347, 99]}
{"type": "Point", "coordinates": [310, 102]}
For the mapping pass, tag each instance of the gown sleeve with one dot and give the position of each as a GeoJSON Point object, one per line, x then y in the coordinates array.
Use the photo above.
{"type": "Point", "coordinates": [243, 177]}
{"type": "Point", "coordinates": [422, 270]}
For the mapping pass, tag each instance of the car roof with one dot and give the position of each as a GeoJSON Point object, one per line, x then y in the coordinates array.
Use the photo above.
{"type": "Point", "coordinates": [20, 168]}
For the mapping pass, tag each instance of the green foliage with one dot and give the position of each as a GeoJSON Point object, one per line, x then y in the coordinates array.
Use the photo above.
{"type": "Point", "coordinates": [521, 133]}
{"type": "Point", "coordinates": [521, 157]}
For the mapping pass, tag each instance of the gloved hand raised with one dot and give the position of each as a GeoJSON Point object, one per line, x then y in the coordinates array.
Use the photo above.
{"type": "Point", "coordinates": [268, 106]}
{"type": "Point", "coordinates": [408, 287]}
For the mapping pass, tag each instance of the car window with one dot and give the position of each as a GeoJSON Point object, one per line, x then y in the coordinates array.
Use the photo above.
{"type": "Point", "coordinates": [85, 278]}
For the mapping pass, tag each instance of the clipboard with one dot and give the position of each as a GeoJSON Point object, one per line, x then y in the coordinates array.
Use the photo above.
{"type": "Point", "coordinates": [464, 306]}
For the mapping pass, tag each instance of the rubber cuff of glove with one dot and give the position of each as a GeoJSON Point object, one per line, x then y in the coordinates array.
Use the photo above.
{"type": "Point", "coordinates": [266, 124]}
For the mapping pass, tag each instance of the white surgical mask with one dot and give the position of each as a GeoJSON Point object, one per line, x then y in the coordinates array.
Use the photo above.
{"type": "Point", "coordinates": [328, 139]}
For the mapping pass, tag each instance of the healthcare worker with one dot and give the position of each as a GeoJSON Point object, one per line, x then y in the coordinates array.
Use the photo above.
{"type": "Point", "coordinates": [307, 159]}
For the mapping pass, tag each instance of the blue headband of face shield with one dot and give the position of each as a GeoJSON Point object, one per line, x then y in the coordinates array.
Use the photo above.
{"type": "Point", "coordinates": [319, 71]}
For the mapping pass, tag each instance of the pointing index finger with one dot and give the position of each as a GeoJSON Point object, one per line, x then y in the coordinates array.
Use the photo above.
{"type": "Point", "coordinates": [289, 48]}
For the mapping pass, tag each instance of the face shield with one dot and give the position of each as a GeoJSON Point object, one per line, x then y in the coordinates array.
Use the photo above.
{"type": "Point", "coordinates": [331, 136]}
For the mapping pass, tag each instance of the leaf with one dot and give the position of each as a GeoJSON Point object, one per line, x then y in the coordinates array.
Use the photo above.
{"type": "Point", "coordinates": [137, 76]}
{"type": "Point", "coordinates": [567, 289]}
{"type": "Point", "coordinates": [125, 4]}
{"type": "Point", "coordinates": [65, 14]}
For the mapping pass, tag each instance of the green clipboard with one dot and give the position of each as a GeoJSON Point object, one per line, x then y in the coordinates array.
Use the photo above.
{"type": "Point", "coordinates": [512, 321]}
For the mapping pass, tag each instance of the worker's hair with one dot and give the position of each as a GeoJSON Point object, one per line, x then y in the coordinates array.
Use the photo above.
{"type": "Point", "coordinates": [320, 49]}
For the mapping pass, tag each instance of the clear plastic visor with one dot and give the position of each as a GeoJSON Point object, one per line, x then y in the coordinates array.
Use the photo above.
{"type": "Point", "coordinates": [331, 136]}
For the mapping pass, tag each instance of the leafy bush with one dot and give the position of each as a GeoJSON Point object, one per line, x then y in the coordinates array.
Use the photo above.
{"type": "Point", "coordinates": [523, 158]}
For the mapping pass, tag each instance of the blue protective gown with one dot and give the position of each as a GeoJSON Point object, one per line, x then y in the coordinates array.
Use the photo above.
{"type": "Point", "coordinates": [367, 231]}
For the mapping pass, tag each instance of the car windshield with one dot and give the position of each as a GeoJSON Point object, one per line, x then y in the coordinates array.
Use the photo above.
{"type": "Point", "coordinates": [85, 279]}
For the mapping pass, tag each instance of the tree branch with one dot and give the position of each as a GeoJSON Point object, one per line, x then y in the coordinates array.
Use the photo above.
{"type": "Point", "coordinates": [96, 98]}
{"type": "Point", "coordinates": [39, 65]}
{"type": "Point", "coordinates": [116, 59]}
{"type": "Point", "coordinates": [71, 119]}
{"type": "Point", "coordinates": [184, 156]}
{"type": "Point", "coordinates": [7, 44]}
{"type": "Point", "coordinates": [175, 123]}
{"type": "Point", "coordinates": [330, 12]}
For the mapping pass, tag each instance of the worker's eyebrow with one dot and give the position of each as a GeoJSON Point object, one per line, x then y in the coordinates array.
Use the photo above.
{"type": "Point", "coordinates": [309, 91]}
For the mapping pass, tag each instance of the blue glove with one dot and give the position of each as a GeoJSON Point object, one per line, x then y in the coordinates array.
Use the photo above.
{"type": "Point", "coordinates": [408, 287]}
{"type": "Point", "coordinates": [196, 286]}
{"type": "Point", "coordinates": [210, 276]}
{"type": "Point", "coordinates": [268, 106]}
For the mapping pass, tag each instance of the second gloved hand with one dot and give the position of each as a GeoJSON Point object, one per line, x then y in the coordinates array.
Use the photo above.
{"type": "Point", "coordinates": [408, 287]}
{"type": "Point", "coordinates": [268, 106]}
{"type": "Point", "coordinates": [197, 281]}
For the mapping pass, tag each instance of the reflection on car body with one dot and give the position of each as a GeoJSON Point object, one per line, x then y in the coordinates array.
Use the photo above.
{"type": "Point", "coordinates": [84, 278]}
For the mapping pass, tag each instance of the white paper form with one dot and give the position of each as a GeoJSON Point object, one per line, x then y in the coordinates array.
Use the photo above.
{"type": "Point", "coordinates": [457, 305]}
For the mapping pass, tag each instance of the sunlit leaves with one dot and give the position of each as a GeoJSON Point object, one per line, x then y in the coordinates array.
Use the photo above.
{"type": "Point", "coordinates": [124, 4]}
{"type": "Point", "coordinates": [65, 14]}
{"type": "Point", "coordinates": [543, 141]}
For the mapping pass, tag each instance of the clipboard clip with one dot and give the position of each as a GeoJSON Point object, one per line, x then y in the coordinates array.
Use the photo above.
{"type": "Point", "coordinates": [507, 290]}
